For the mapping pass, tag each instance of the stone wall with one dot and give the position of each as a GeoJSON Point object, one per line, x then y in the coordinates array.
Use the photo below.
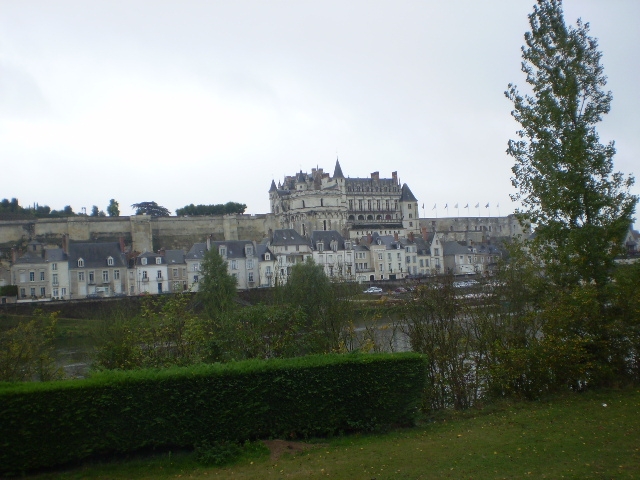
{"type": "Point", "coordinates": [152, 233]}
{"type": "Point", "coordinates": [143, 232]}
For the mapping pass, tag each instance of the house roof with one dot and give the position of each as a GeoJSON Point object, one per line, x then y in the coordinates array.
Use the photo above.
{"type": "Point", "coordinates": [326, 237]}
{"type": "Point", "coordinates": [288, 236]}
{"type": "Point", "coordinates": [174, 257]}
{"type": "Point", "coordinates": [235, 248]}
{"type": "Point", "coordinates": [95, 255]}
{"type": "Point", "coordinates": [197, 251]}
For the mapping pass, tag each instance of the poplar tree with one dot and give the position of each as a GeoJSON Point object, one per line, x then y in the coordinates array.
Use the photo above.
{"type": "Point", "coordinates": [216, 288]}
{"type": "Point", "coordinates": [580, 208]}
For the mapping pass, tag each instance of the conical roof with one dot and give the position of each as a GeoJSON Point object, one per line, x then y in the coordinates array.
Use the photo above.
{"type": "Point", "coordinates": [337, 172]}
{"type": "Point", "coordinates": [407, 195]}
{"type": "Point", "coordinates": [273, 186]}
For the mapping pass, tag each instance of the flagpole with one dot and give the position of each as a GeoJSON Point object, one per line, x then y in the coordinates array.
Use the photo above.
{"type": "Point", "coordinates": [498, 207]}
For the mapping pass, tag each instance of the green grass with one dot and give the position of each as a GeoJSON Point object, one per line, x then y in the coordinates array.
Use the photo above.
{"type": "Point", "coordinates": [571, 436]}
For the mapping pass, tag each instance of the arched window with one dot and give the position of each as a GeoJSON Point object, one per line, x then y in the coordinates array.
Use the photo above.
{"type": "Point", "coordinates": [80, 263]}
{"type": "Point", "coordinates": [110, 261]}
{"type": "Point", "coordinates": [369, 217]}
{"type": "Point", "coordinates": [360, 217]}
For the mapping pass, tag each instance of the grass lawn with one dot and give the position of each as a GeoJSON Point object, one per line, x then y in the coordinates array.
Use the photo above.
{"type": "Point", "coordinates": [591, 435]}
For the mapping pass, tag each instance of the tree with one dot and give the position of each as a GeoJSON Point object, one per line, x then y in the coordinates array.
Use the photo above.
{"type": "Point", "coordinates": [113, 209]}
{"type": "Point", "coordinates": [95, 211]}
{"type": "Point", "coordinates": [581, 209]}
{"type": "Point", "coordinates": [216, 289]}
{"type": "Point", "coordinates": [150, 208]}
{"type": "Point", "coordinates": [218, 209]}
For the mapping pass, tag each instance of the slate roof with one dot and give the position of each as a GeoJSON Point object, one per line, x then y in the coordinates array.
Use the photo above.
{"type": "Point", "coordinates": [174, 257]}
{"type": "Point", "coordinates": [235, 248]}
{"type": "Point", "coordinates": [261, 249]}
{"type": "Point", "coordinates": [337, 172]}
{"type": "Point", "coordinates": [197, 251]}
{"type": "Point", "coordinates": [95, 254]}
{"type": "Point", "coordinates": [273, 186]}
{"type": "Point", "coordinates": [454, 248]}
{"type": "Point", "coordinates": [55, 255]}
{"type": "Point", "coordinates": [407, 195]}
{"type": "Point", "coordinates": [326, 237]}
{"type": "Point", "coordinates": [288, 236]}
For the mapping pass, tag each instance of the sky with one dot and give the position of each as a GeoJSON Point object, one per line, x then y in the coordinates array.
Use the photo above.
{"type": "Point", "coordinates": [206, 102]}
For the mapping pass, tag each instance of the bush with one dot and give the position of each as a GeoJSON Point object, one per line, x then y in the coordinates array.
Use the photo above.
{"type": "Point", "coordinates": [45, 424]}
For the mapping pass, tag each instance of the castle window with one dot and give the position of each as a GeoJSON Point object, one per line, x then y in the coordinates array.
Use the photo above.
{"type": "Point", "coordinates": [80, 263]}
{"type": "Point", "coordinates": [322, 202]}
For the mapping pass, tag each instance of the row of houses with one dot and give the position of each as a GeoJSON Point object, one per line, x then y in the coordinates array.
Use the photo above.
{"type": "Point", "coordinates": [107, 269]}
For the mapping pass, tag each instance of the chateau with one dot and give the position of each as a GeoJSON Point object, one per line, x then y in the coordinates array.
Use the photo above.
{"type": "Point", "coordinates": [352, 206]}
{"type": "Point", "coordinates": [357, 229]}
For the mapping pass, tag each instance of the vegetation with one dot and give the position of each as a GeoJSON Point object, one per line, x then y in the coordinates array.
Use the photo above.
{"type": "Point", "coordinates": [27, 350]}
{"type": "Point", "coordinates": [113, 210]}
{"type": "Point", "coordinates": [10, 209]}
{"type": "Point", "coordinates": [151, 209]}
{"type": "Point", "coordinates": [581, 209]}
{"type": "Point", "coordinates": [218, 209]}
{"type": "Point", "coordinates": [60, 422]}
{"type": "Point", "coordinates": [592, 435]}
{"type": "Point", "coordinates": [216, 287]}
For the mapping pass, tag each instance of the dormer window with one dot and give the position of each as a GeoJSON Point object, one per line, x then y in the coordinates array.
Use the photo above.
{"type": "Point", "coordinates": [267, 256]}
{"type": "Point", "coordinates": [80, 263]}
{"type": "Point", "coordinates": [110, 261]}
{"type": "Point", "coordinates": [320, 247]}
{"type": "Point", "coordinates": [249, 250]}
{"type": "Point", "coordinates": [143, 261]}
{"type": "Point", "coordinates": [158, 260]}
{"type": "Point", "coordinates": [223, 251]}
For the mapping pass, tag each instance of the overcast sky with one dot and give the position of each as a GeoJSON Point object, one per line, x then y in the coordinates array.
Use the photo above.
{"type": "Point", "coordinates": [184, 102]}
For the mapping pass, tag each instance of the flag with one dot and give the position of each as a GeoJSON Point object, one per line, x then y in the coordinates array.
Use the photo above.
{"type": "Point", "coordinates": [434, 207]}
{"type": "Point", "coordinates": [486, 206]}
{"type": "Point", "coordinates": [478, 205]}
{"type": "Point", "coordinates": [456, 206]}
{"type": "Point", "coordinates": [423, 206]}
{"type": "Point", "coordinates": [446, 205]}
{"type": "Point", "coordinates": [466, 206]}
{"type": "Point", "coordinates": [498, 206]}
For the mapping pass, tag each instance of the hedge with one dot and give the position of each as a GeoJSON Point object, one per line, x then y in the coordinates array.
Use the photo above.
{"type": "Point", "coordinates": [53, 423]}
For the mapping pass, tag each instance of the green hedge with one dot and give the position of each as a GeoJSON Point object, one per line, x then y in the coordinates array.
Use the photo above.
{"type": "Point", "coordinates": [46, 424]}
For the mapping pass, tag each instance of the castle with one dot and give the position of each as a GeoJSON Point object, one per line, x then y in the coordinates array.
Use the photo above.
{"type": "Point", "coordinates": [352, 206]}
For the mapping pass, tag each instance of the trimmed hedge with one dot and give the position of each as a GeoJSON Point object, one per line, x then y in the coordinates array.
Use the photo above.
{"type": "Point", "coordinates": [46, 424]}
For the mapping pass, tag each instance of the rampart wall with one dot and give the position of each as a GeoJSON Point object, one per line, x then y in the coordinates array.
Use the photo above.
{"type": "Point", "coordinates": [152, 233]}
{"type": "Point", "coordinates": [143, 232]}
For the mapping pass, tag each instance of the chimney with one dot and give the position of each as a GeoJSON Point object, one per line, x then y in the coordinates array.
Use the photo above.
{"type": "Point", "coordinates": [394, 176]}
{"type": "Point", "coordinates": [209, 243]}
{"type": "Point", "coordinates": [65, 244]}
{"type": "Point", "coordinates": [14, 255]}
{"type": "Point", "coordinates": [425, 235]}
{"type": "Point", "coordinates": [369, 238]}
{"type": "Point", "coordinates": [395, 236]}
{"type": "Point", "coordinates": [411, 236]}
{"type": "Point", "coordinates": [375, 176]}
{"type": "Point", "coordinates": [121, 241]}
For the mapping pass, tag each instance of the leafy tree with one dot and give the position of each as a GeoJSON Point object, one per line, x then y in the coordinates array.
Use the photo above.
{"type": "Point", "coordinates": [216, 289]}
{"type": "Point", "coordinates": [95, 211]}
{"type": "Point", "coordinates": [27, 351]}
{"type": "Point", "coordinates": [113, 209]}
{"type": "Point", "coordinates": [150, 208]}
{"type": "Point", "coordinates": [218, 209]}
{"type": "Point", "coordinates": [326, 305]}
{"type": "Point", "coordinates": [581, 209]}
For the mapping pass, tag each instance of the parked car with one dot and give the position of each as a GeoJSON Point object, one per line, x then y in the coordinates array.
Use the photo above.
{"type": "Point", "coordinates": [373, 290]}
{"type": "Point", "coordinates": [399, 291]}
